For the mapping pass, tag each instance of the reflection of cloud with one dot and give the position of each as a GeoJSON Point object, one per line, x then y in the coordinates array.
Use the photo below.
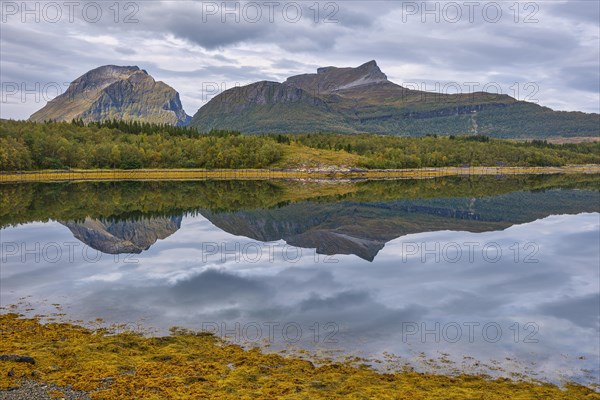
{"type": "Point", "coordinates": [112, 277]}
{"type": "Point", "coordinates": [369, 301]}
{"type": "Point", "coordinates": [213, 287]}
{"type": "Point", "coordinates": [471, 303]}
{"type": "Point", "coordinates": [583, 311]}
{"type": "Point", "coordinates": [526, 282]}
{"type": "Point", "coordinates": [336, 302]}
{"type": "Point", "coordinates": [579, 244]}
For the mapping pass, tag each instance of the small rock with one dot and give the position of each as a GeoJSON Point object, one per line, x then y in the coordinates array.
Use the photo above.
{"type": "Point", "coordinates": [17, 358]}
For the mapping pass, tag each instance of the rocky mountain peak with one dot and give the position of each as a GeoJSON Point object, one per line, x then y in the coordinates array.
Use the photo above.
{"type": "Point", "coordinates": [101, 77]}
{"type": "Point", "coordinates": [331, 79]}
{"type": "Point", "coordinates": [372, 69]}
{"type": "Point", "coordinates": [115, 71]}
{"type": "Point", "coordinates": [119, 92]}
{"type": "Point", "coordinates": [324, 70]}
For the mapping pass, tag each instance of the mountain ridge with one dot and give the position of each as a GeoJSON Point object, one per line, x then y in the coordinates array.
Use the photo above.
{"type": "Point", "coordinates": [363, 100]}
{"type": "Point", "coordinates": [334, 99]}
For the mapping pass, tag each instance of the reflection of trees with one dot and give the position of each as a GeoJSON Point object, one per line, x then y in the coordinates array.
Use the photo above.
{"type": "Point", "coordinates": [27, 202]}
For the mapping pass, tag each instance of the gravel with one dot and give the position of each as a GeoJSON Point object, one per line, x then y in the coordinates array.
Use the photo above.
{"type": "Point", "coordinates": [33, 390]}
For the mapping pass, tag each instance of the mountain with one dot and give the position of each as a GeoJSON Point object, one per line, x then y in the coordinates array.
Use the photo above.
{"type": "Point", "coordinates": [116, 237]}
{"type": "Point", "coordinates": [362, 99]}
{"type": "Point", "coordinates": [108, 92]}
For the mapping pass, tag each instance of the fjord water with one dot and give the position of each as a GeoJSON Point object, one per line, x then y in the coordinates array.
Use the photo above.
{"type": "Point", "coordinates": [484, 274]}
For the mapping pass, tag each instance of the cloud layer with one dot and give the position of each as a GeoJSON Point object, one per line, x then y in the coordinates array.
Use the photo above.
{"type": "Point", "coordinates": [194, 45]}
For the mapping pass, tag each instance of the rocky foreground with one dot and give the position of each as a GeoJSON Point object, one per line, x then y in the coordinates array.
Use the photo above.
{"type": "Point", "coordinates": [71, 361]}
{"type": "Point", "coordinates": [33, 390]}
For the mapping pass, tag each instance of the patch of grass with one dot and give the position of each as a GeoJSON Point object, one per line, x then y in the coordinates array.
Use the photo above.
{"type": "Point", "coordinates": [296, 156]}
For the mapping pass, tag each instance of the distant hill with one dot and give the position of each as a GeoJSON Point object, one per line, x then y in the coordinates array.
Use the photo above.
{"type": "Point", "coordinates": [362, 99]}
{"type": "Point", "coordinates": [113, 92]}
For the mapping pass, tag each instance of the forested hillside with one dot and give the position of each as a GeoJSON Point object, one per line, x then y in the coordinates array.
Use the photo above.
{"type": "Point", "coordinates": [132, 145]}
{"type": "Point", "coordinates": [363, 100]}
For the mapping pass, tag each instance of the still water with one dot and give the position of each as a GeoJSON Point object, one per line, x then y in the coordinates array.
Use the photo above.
{"type": "Point", "coordinates": [498, 275]}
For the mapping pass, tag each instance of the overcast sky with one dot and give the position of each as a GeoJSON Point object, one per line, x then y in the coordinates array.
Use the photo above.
{"type": "Point", "coordinates": [545, 51]}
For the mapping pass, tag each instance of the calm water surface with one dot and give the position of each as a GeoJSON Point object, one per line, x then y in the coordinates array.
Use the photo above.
{"type": "Point", "coordinates": [494, 275]}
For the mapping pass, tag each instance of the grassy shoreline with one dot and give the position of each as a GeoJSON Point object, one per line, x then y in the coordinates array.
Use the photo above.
{"type": "Point", "coordinates": [266, 174]}
{"type": "Point", "coordinates": [186, 364]}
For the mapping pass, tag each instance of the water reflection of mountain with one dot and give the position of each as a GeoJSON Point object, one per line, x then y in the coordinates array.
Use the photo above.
{"type": "Point", "coordinates": [128, 236]}
{"type": "Point", "coordinates": [363, 229]}
{"type": "Point", "coordinates": [347, 227]}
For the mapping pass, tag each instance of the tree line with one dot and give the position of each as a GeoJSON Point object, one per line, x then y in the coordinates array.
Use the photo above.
{"type": "Point", "coordinates": [26, 145]}
{"type": "Point", "coordinates": [132, 200]}
{"type": "Point", "coordinates": [447, 151]}
{"type": "Point", "coordinates": [127, 145]}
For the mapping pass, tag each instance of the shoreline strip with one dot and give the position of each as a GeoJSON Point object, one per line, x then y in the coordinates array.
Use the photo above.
{"type": "Point", "coordinates": [268, 174]}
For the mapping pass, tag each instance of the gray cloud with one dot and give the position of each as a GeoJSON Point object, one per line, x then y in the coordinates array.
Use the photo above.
{"type": "Point", "coordinates": [579, 11]}
{"type": "Point", "coordinates": [180, 44]}
{"type": "Point", "coordinates": [585, 78]}
{"type": "Point", "coordinates": [213, 35]}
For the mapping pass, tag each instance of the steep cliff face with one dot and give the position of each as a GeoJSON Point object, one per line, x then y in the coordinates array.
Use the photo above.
{"type": "Point", "coordinates": [123, 93]}
{"type": "Point", "coordinates": [362, 99]}
{"type": "Point", "coordinates": [117, 237]}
